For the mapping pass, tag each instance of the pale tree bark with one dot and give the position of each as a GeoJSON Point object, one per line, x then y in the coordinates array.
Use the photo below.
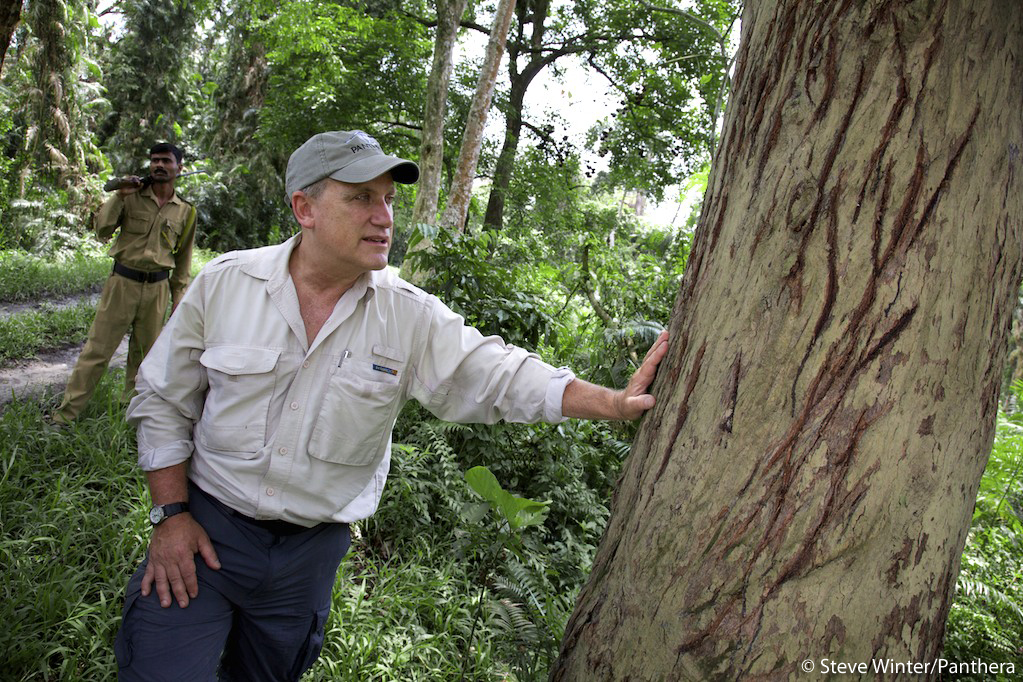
{"type": "Point", "coordinates": [472, 139]}
{"type": "Point", "coordinates": [804, 486]}
{"type": "Point", "coordinates": [431, 148]}
{"type": "Point", "coordinates": [535, 12]}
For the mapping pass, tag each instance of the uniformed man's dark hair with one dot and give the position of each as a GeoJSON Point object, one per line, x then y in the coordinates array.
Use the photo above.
{"type": "Point", "coordinates": [162, 147]}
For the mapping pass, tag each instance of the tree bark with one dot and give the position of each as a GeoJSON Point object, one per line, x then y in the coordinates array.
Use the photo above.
{"type": "Point", "coordinates": [472, 139]}
{"type": "Point", "coordinates": [431, 148]}
{"type": "Point", "coordinates": [803, 488]}
{"type": "Point", "coordinates": [535, 12]}
{"type": "Point", "coordinates": [10, 15]}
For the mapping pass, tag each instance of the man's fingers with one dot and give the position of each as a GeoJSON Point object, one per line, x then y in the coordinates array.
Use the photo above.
{"type": "Point", "coordinates": [188, 582]}
{"type": "Point", "coordinates": [172, 551]}
{"type": "Point", "coordinates": [209, 554]}
{"type": "Point", "coordinates": [644, 376]}
{"type": "Point", "coordinates": [658, 350]}
{"type": "Point", "coordinates": [163, 587]}
{"type": "Point", "coordinates": [147, 579]}
{"type": "Point", "coordinates": [179, 588]}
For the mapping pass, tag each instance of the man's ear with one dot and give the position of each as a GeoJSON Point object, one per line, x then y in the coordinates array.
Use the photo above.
{"type": "Point", "coordinates": [302, 208]}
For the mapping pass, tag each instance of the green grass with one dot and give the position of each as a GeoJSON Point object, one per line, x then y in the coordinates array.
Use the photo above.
{"type": "Point", "coordinates": [71, 523]}
{"type": "Point", "coordinates": [24, 334]}
{"type": "Point", "coordinates": [27, 277]}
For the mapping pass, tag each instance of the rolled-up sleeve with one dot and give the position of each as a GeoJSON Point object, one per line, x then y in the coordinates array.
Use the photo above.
{"type": "Point", "coordinates": [463, 376]}
{"type": "Point", "coordinates": [171, 387]}
{"type": "Point", "coordinates": [108, 217]}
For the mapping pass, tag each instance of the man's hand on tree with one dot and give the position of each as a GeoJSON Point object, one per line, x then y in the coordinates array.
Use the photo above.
{"type": "Point", "coordinates": [588, 401]}
{"type": "Point", "coordinates": [632, 402]}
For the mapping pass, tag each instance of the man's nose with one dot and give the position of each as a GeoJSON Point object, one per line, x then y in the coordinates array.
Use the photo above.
{"type": "Point", "coordinates": [383, 213]}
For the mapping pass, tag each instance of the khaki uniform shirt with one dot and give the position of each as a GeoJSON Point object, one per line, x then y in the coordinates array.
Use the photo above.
{"type": "Point", "coordinates": [278, 428]}
{"type": "Point", "coordinates": [151, 237]}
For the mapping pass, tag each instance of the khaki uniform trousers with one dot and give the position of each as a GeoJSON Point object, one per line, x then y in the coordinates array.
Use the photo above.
{"type": "Point", "coordinates": [125, 304]}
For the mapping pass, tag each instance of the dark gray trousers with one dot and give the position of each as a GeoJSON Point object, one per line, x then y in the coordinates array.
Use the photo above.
{"type": "Point", "coordinates": [260, 617]}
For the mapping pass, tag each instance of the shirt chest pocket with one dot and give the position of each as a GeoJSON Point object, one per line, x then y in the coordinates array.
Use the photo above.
{"type": "Point", "coordinates": [362, 399]}
{"type": "Point", "coordinates": [241, 385]}
{"type": "Point", "coordinates": [170, 233]}
{"type": "Point", "coordinates": [137, 222]}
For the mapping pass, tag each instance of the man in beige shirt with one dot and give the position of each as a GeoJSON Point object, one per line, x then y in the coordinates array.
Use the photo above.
{"type": "Point", "coordinates": [152, 261]}
{"type": "Point", "coordinates": [264, 415]}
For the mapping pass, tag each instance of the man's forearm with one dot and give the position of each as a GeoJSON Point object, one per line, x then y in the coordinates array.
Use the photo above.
{"type": "Point", "coordinates": [169, 485]}
{"type": "Point", "coordinates": [583, 400]}
{"type": "Point", "coordinates": [108, 217]}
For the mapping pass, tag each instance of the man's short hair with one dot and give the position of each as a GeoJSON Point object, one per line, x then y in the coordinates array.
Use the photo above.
{"type": "Point", "coordinates": [163, 147]}
{"type": "Point", "coordinates": [314, 190]}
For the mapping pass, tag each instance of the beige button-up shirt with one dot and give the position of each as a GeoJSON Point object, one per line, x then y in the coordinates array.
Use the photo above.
{"type": "Point", "coordinates": [278, 428]}
{"type": "Point", "coordinates": [152, 237]}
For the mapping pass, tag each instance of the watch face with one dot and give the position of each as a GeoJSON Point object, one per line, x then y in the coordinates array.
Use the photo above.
{"type": "Point", "coordinates": [156, 515]}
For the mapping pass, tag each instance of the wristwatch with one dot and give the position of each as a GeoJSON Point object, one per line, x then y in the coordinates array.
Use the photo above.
{"type": "Point", "coordinates": [161, 512]}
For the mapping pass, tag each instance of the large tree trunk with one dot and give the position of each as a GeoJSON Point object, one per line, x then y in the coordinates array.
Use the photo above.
{"type": "Point", "coordinates": [803, 489]}
{"type": "Point", "coordinates": [472, 139]}
{"type": "Point", "coordinates": [431, 148]}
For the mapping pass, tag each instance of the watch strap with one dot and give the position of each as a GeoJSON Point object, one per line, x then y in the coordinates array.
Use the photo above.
{"type": "Point", "coordinates": [173, 508]}
{"type": "Point", "coordinates": [161, 512]}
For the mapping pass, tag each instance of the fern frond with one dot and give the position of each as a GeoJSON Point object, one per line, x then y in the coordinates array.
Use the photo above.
{"type": "Point", "coordinates": [510, 619]}
{"type": "Point", "coordinates": [977, 589]}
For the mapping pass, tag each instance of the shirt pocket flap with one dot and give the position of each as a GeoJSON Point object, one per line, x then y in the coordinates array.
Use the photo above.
{"type": "Point", "coordinates": [388, 352]}
{"type": "Point", "coordinates": [237, 361]}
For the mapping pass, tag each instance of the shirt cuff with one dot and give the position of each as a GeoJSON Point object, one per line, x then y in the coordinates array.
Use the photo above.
{"type": "Point", "coordinates": [561, 378]}
{"type": "Point", "coordinates": [151, 459]}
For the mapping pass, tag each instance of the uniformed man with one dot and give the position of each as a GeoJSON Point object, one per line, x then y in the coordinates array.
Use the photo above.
{"type": "Point", "coordinates": [152, 261]}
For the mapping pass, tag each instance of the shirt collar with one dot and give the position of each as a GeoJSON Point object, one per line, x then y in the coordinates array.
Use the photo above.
{"type": "Point", "coordinates": [273, 267]}
{"type": "Point", "coordinates": [148, 192]}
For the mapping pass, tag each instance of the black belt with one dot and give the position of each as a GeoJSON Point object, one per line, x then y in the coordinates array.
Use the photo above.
{"type": "Point", "coordinates": [139, 275]}
{"type": "Point", "coordinates": [275, 526]}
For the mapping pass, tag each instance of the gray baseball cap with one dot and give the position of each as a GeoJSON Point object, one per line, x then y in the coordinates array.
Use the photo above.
{"type": "Point", "coordinates": [345, 155]}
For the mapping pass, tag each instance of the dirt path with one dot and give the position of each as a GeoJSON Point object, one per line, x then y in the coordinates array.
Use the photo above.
{"type": "Point", "coordinates": [48, 372]}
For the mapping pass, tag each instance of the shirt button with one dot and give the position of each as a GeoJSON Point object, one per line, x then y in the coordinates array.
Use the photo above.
{"type": "Point", "coordinates": [283, 451]}
{"type": "Point", "coordinates": [294, 406]}
{"type": "Point", "coordinates": [270, 492]}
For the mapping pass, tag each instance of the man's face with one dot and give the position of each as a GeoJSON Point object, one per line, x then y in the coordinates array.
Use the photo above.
{"type": "Point", "coordinates": [352, 225]}
{"type": "Point", "coordinates": [164, 167]}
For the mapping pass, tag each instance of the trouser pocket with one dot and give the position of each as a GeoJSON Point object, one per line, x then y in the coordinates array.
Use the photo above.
{"type": "Point", "coordinates": [123, 650]}
{"type": "Point", "coordinates": [313, 644]}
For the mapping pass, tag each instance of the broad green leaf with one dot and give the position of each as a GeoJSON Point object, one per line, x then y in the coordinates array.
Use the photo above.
{"type": "Point", "coordinates": [519, 512]}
